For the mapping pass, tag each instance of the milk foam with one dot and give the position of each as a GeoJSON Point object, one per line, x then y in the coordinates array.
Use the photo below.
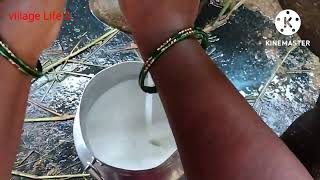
{"type": "Point", "coordinates": [119, 135]}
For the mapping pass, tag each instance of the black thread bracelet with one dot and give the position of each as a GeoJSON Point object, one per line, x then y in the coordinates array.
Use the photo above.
{"type": "Point", "coordinates": [22, 66]}
{"type": "Point", "coordinates": [180, 36]}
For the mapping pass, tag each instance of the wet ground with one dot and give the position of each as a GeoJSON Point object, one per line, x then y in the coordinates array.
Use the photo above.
{"type": "Point", "coordinates": [47, 148]}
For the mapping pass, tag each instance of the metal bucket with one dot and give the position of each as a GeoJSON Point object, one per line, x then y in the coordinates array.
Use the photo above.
{"type": "Point", "coordinates": [102, 82]}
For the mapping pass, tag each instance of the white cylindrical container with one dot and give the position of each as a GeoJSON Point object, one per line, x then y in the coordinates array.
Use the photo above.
{"type": "Point", "coordinates": [118, 136]}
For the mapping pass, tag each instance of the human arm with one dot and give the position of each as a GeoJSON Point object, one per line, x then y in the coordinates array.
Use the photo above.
{"type": "Point", "coordinates": [218, 134]}
{"type": "Point", "coordinates": [26, 40]}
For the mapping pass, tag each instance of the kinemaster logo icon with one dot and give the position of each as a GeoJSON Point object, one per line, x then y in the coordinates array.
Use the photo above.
{"type": "Point", "coordinates": [288, 22]}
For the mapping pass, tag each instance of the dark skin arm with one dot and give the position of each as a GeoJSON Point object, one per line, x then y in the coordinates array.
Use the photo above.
{"type": "Point", "coordinates": [14, 92]}
{"type": "Point", "coordinates": [219, 135]}
{"type": "Point", "coordinates": [15, 86]}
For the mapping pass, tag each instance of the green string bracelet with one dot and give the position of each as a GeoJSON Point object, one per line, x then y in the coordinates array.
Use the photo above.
{"type": "Point", "coordinates": [22, 66]}
{"type": "Point", "coordinates": [180, 36]}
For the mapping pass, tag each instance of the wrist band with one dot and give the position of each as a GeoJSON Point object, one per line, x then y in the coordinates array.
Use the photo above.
{"type": "Point", "coordinates": [180, 36]}
{"type": "Point", "coordinates": [22, 66]}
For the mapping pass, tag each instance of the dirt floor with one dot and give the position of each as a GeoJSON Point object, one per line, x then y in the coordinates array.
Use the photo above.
{"type": "Point", "coordinates": [268, 8]}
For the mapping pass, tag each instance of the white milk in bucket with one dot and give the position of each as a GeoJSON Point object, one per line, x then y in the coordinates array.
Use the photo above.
{"type": "Point", "coordinates": [123, 132]}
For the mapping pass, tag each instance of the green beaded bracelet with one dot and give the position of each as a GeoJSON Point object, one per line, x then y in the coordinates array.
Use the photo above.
{"type": "Point", "coordinates": [180, 36]}
{"type": "Point", "coordinates": [22, 66]}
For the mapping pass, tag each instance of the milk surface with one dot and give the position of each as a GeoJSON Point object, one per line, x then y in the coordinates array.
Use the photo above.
{"type": "Point", "coordinates": [119, 135]}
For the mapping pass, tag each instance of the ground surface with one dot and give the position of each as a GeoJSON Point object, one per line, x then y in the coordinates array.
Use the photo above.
{"type": "Point", "coordinates": [47, 148]}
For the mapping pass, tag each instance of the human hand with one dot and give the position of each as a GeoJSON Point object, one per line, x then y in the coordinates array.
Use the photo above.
{"type": "Point", "coordinates": [28, 39]}
{"type": "Point", "coordinates": [152, 22]}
